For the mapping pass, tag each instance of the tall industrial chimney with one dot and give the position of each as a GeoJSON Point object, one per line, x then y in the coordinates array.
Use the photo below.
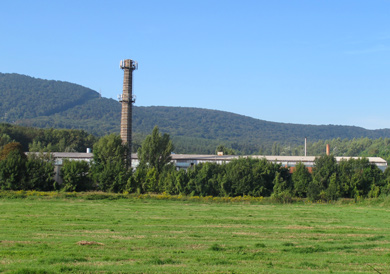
{"type": "Point", "coordinates": [127, 99]}
{"type": "Point", "coordinates": [305, 146]}
{"type": "Point", "coordinates": [327, 149]}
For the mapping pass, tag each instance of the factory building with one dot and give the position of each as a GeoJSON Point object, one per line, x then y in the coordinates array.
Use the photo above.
{"type": "Point", "coordinates": [185, 161]}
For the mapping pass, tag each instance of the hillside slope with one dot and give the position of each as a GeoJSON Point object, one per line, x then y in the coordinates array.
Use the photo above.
{"type": "Point", "coordinates": [43, 103]}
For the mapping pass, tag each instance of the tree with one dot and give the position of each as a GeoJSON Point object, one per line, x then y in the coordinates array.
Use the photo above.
{"type": "Point", "coordinates": [75, 176]}
{"type": "Point", "coordinates": [358, 178]}
{"type": "Point", "coordinates": [275, 149]}
{"type": "Point", "coordinates": [151, 181]}
{"type": "Point", "coordinates": [204, 179]}
{"type": "Point", "coordinates": [239, 177]}
{"type": "Point", "coordinates": [155, 151]}
{"type": "Point", "coordinates": [301, 178]}
{"type": "Point", "coordinates": [324, 167]}
{"type": "Point", "coordinates": [248, 176]}
{"type": "Point", "coordinates": [332, 192]}
{"type": "Point", "coordinates": [109, 169]}
{"type": "Point", "coordinates": [386, 181]}
{"type": "Point", "coordinates": [264, 175]}
{"type": "Point", "coordinates": [4, 139]}
{"type": "Point", "coordinates": [40, 172]}
{"type": "Point", "coordinates": [346, 171]}
{"type": "Point", "coordinates": [12, 171]}
{"type": "Point", "coordinates": [15, 146]}
{"type": "Point", "coordinates": [225, 150]}
{"type": "Point", "coordinates": [313, 191]}
{"type": "Point", "coordinates": [282, 189]}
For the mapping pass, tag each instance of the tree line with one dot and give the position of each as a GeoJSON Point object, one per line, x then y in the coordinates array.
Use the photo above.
{"type": "Point", "coordinates": [155, 173]}
{"type": "Point", "coordinates": [46, 140]}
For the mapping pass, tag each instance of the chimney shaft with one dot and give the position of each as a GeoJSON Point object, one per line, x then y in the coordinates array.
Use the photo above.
{"type": "Point", "coordinates": [327, 149]}
{"type": "Point", "coordinates": [305, 146]}
{"type": "Point", "coordinates": [127, 104]}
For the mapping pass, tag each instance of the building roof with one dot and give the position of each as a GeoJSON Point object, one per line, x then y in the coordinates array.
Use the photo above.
{"type": "Point", "coordinates": [68, 155]}
{"type": "Point", "coordinates": [211, 158]}
{"type": "Point", "coordinates": [267, 157]}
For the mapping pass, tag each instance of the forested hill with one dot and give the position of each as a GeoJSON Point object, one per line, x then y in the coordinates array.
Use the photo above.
{"type": "Point", "coordinates": [42, 103]}
{"type": "Point", "coordinates": [47, 103]}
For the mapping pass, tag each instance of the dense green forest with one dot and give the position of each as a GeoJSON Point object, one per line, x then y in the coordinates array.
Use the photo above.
{"type": "Point", "coordinates": [41, 103]}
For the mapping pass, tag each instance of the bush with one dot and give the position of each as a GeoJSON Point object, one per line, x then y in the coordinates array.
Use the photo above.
{"type": "Point", "coordinates": [12, 171]}
{"type": "Point", "coordinates": [40, 172]}
{"type": "Point", "coordinates": [75, 176]}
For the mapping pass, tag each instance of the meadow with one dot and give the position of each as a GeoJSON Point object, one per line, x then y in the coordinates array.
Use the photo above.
{"type": "Point", "coordinates": [82, 234]}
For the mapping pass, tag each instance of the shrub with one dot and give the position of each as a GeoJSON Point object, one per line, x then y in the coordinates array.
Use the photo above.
{"type": "Point", "coordinates": [75, 176]}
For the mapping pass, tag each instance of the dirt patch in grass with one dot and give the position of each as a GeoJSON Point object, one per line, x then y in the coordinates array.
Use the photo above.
{"type": "Point", "coordinates": [298, 227]}
{"type": "Point", "coordinates": [231, 226]}
{"type": "Point", "coordinates": [122, 237]}
{"type": "Point", "coordinates": [246, 233]}
{"type": "Point", "coordinates": [5, 261]}
{"type": "Point", "coordinates": [89, 243]}
{"type": "Point", "coordinates": [139, 236]}
{"type": "Point", "coordinates": [196, 246]}
{"type": "Point", "coordinates": [104, 231]}
{"type": "Point", "coordinates": [15, 242]}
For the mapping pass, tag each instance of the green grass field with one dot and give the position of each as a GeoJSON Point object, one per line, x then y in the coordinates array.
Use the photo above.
{"type": "Point", "coordinates": [76, 235]}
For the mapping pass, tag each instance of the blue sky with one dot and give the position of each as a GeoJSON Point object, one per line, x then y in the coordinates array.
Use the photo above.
{"type": "Point", "coordinates": [306, 62]}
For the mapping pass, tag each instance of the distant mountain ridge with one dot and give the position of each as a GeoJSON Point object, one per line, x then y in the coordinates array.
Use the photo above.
{"type": "Point", "coordinates": [42, 103]}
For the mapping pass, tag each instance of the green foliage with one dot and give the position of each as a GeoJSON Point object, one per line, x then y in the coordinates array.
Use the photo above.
{"type": "Point", "coordinates": [40, 173]}
{"type": "Point", "coordinates": [12, 171]}
{"type": "Point", "coordinates": [151, 181]}
{"type": "Point", "coordinates": [239, 179]}
{"type": "Point", "coordinates": [136, 182]}
{"type": "Point", "coordinates": [76, 176]}
{"type": "Point", "coordinates": [109, 168]}
{"type": "Point", "coordinates": [54, 140]}
{"type": "Point", "coordinates": [204, 179]}
{"type": "Point", "coordinates": [11, 147]}
{"type": "Point", "coordinates": [247, 176]}
{"type": "Point", "coordinates": [324, 167]}
{"type": "Point", "coordinates": [5, 139]}
{"type": "Point", "coordinates": [174, 182]}
{"type": "Point", "coordinates": [358, 177]}
{"type": "Point", "coordinates": [17, 172]}
{"type": "Point", "coordinates": [301, 179]}
{"type": "Point", "coordinates": [313, 191]}
{"type": "Point", "coordinates": [386, 182]}
{"type": "Point", "coordinates": [49, 140]}
{"type": "Point", "coordinates": [282, 190]}
{"type": "Point", "coordinates": [333, 190]}
{"type": "Point", "coordinates": [225, 150]}
{"type": "Point", "coordinates": [363, 147]}
{"type": "Point", "coordinates": [275, 149]}
{"type": "Point", "coordinates": [29, 97]}
{"type": "Point", "coordinates": [155, 151]}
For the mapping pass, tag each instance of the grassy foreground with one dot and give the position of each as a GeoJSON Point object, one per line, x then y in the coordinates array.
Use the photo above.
{"type": "Point", "coordinates": [76, 235]}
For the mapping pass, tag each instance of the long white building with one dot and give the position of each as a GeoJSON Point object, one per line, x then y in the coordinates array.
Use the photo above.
{"type": "Point", "coordinates": [183, 161]}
